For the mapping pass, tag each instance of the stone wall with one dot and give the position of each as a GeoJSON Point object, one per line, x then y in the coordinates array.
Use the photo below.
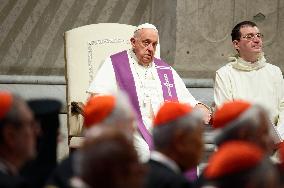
{"type": "Point", "coordinates": [194, 34]}
{"type": "Point", "coordinates": [203, 41]}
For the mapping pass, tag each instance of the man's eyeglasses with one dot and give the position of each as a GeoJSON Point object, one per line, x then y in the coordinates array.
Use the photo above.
{"type": "Point", "coordinates": [251, 36]}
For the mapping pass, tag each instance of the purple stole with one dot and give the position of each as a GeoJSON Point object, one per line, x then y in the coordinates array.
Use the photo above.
{"type": "Point", "coordinates": [125, 80]}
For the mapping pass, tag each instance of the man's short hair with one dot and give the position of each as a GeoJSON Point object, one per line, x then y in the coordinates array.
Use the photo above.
{"type": "Point", "coordinates": [236, 34]}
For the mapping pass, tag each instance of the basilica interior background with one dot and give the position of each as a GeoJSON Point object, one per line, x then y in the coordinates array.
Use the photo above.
{"type": "Point", "coordinates": [194, 37]}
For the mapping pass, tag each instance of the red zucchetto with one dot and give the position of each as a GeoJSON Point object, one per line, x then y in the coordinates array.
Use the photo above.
{"type": "Point", "coordinates": [6, 100]}
{"type": "Point", "coordinates": [233, 157]}
{"type": "Point", "coordinates": [228, 112]}
{"type": "Point", "coordinates": [171, 111]}
{"type": "Point", "coordinates": [97, 109]}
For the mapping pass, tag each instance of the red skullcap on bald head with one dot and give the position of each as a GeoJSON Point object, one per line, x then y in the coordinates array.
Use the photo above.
{"type": "Point", "coordinates": [233, 157]}
{"type": "Point", "coordinates": [97, 109]}
{"type": "Point", "coordinates": [171, 111]}
{"type": "Point", "coordinates": [228, 112]}
{"type": "Point", "coordinates": [6, 100]}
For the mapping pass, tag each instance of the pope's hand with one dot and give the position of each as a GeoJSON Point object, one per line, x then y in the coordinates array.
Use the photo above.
{"type": "Point", "coordinates": [206, 111]}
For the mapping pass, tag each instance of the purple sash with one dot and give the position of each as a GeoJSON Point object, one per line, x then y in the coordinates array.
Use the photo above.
{"type": "Point", "coordinates": [125, 80]}
{"type": "Point", "coordinates": [167, 80]}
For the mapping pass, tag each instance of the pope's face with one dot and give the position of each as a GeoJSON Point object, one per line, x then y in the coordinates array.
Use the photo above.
{"type": "Point", "coordinates": [144, 45]}
{"type": "Point", "coordinates": [250, 42]}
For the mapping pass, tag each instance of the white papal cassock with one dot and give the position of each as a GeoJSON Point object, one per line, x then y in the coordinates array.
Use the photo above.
{"type": "Point", "coordinates": [149, 92]}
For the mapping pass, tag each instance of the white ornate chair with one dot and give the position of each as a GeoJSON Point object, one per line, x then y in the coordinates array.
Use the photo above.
{"type": "Point", "coordinates": [86, 48]}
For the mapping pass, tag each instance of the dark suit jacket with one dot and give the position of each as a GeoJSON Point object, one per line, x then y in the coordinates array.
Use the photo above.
{"type": "Point", "coordinates": [63, 173]}
{"type": "Point", "coordinates": [160, 176]}
{"type": "Point", "coordinates": [8, 181]}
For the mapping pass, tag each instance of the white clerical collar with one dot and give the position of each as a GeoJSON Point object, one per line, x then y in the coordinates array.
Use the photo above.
{"type": "Point", "coordinates": [160, 157]}
{"type": "Point", "coordinates": [240, 64]}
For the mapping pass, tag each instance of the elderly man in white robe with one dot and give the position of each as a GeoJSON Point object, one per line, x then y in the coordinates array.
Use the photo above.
{"type": "Point", "coordinates": [248, 76]}
{"type": "Point", "coordinates": [148, 81]}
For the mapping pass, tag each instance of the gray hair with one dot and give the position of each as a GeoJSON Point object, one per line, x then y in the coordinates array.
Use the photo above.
{"type": "Point", "coordinates": [248, 121]}
{"type": "Point", "coordinates": [164, 134]}
{"type": "Point", "coordinates": [122, 111]}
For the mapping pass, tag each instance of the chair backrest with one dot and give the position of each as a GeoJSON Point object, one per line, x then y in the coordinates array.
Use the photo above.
{"type": "Point", "coordinates": [86, 48]}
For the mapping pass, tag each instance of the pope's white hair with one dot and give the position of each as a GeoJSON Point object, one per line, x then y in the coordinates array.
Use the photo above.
{"type": "Point", "coordinates": [143, 26]}
{"type": "Point", "coordinates": [146, 26]}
